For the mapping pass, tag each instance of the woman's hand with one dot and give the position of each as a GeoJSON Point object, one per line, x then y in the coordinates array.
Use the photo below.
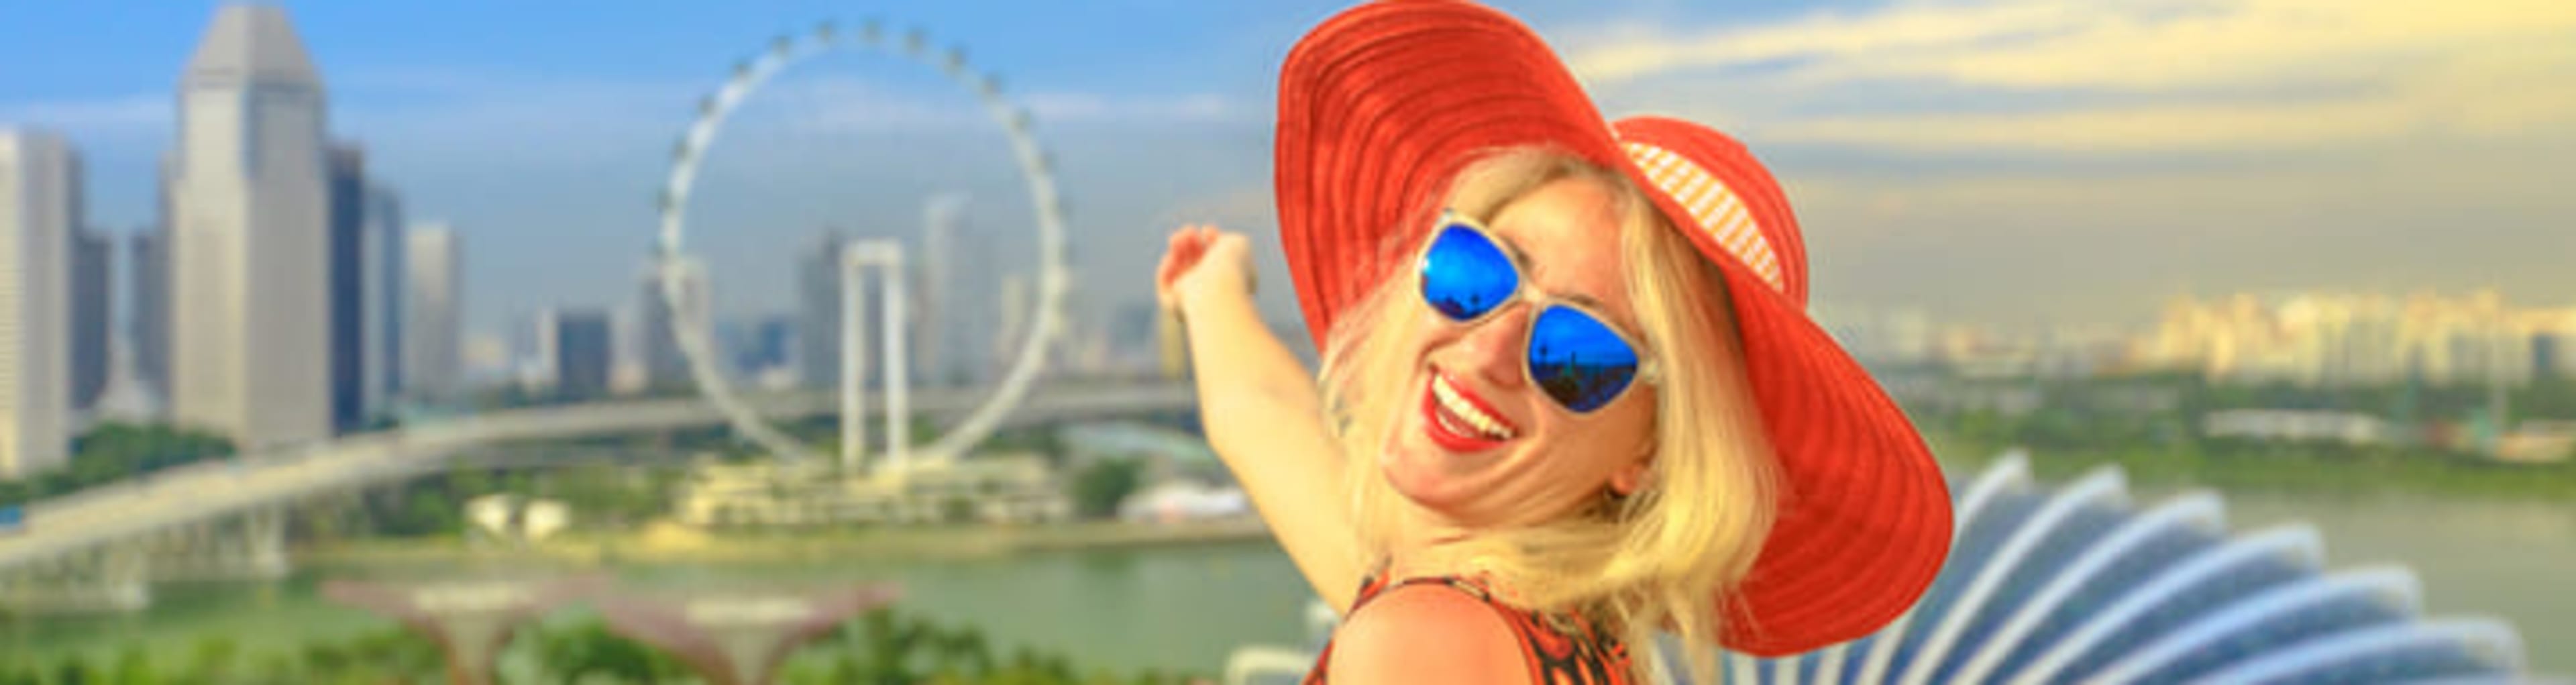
{"type": "Point", "coordinates": [1200, 262]}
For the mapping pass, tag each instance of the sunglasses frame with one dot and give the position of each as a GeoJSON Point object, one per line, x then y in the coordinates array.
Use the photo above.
{"type": "Point", "coordinates": [1523, 292]}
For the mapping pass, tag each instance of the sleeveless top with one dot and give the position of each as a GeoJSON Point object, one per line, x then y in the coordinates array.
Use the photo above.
{"type": "Point", "coordinates": [1559, 650]}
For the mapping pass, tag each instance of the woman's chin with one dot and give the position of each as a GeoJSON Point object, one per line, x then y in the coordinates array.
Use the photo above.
{"type": "Point", "coordinates": [1427, 476]}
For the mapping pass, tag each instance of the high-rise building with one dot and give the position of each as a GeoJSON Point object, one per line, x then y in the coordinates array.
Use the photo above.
{"type": "Point", "coordinates": [386, 240]}
{"type": "Point", "coordinates": [577, 348]}
{"type": "Point", "coordinates": [147, 260]}
{"type": "Point", "coordinates": [40, 204]}
{"type": "Point", "coordinates": [665, 364]}
{"type": "Point", "coordinates": [770, 340]}
{"type": "Point", "coordinates": [366, 278]}
{"type": "Point", "coordinates": [249, 253]}
{"type": "Point", "coordinates": [818, 313]}
{"type": "Point", "coordinates": [433, 313]}
{"type": "Point", "coordinates": [1134, 336]}
{"type": "Point", "coordinates": [93, 306]}
{"type": "Point", "coordinates": [626, 342]}
{"type": "Point", "coordinates": [1132, 328]}
{"type": "Point", "coordinates": [2547, 350]}
{"type": "Point", "coordinates": [348, 213]}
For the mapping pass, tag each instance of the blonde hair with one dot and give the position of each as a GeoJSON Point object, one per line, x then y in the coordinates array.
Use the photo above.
{"type": "Point", "coordinates": [1657, 558]}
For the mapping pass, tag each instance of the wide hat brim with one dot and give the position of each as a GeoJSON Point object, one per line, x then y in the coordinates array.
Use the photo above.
{"type": "Point", "coordinates": [1380, 106]}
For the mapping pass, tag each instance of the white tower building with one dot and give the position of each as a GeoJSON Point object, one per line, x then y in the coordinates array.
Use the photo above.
{"type": "Point", "coordinates": [40, 203]}
{"type": "Point", "coordinates": [249, 264]}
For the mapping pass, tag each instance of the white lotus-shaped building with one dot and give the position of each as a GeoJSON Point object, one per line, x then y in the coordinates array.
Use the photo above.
{"type": "Point", "coordinates": [2077, 584]}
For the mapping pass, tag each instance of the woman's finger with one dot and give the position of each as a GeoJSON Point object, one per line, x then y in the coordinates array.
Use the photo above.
{"type": "Point", "coordinates": [1184, 251]}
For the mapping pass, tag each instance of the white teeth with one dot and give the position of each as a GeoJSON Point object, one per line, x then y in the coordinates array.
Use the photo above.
{"type": "Point", "coordinates": [1465, 411]}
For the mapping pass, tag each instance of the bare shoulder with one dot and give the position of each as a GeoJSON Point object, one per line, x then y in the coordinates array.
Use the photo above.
{"type": "Point", "coordinates": [1426, 633]}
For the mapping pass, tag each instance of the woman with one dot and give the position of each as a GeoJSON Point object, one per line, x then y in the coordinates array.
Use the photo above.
{"type": "Point", "coordinates": [1569, 393]}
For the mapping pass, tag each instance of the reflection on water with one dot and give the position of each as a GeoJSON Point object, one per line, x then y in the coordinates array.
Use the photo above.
{"type": "Point", "coordinates": [1184, 607]}
{"type": "Point", "coordinates": [2505, 558]}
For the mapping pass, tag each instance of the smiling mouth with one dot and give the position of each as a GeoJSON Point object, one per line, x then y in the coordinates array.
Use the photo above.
{"type": "Point", "coordinates": [1459, 421]}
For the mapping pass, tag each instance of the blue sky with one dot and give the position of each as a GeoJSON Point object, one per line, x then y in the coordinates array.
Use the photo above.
{"type": "Point", "coordinates": [2010, 161]}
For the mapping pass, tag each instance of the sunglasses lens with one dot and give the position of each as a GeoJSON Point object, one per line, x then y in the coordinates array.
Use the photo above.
{"type": "Point", "coordinates": [1465, 275]}
{"type": "Point", "coordinates": [1578, 359]}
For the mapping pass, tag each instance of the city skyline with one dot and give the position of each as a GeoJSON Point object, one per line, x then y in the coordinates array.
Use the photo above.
{"type": "Point", "coordinates": [2330, 339]}
{"type": "Point", "coordinates": [1939, 156]}
{"type": "Point", "coordinates": [364, 217]}
{"type": "Point", "coordinates": [2176, 294]}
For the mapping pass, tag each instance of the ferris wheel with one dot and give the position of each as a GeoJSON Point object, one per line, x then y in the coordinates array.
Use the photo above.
{"type": "Point", "coordinates": [671, 258]}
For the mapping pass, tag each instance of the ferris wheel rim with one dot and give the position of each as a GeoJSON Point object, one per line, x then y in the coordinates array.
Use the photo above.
{"type": "Point", "coordinates": [670, 257]}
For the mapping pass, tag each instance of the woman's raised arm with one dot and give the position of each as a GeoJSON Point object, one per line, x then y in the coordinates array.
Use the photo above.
{"type": "Point", "coordinates": [1261, 410]}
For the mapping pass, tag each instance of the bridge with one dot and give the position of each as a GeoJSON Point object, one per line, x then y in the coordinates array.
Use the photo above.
{"type": "Point", "coordinates": [102, 547]}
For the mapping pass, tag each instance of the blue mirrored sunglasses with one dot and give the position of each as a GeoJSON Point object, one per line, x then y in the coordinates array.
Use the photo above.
{"type": "Point", "coordinates": [1573, 353]}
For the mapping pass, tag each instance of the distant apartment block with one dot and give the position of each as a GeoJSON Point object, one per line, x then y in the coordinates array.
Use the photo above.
{"type": "Point", "coordinates": [432, 329]}
{"type": "Point", "coordinates": [665, 364]}
{"type": "Point", "coordinates": [2290, 425]}
{"type": "Point", "coordinates": [147, 261]}
{"type": "Point", "coordinates": [2336, 340]}
{"type": "Point", "coordinates": [818, 312]}
{"type": "Point", "coordinates": [578, 348]}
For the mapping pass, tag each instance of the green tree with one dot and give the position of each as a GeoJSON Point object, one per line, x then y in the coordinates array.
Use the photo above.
{"type": "Point", "coordinates": [14, 492]}
{"type": "Point", "coordinates": [1099, 487]}
{"type": "Point", "coordinates": [278, 667]}
{"type": "Point", "coordinates": [72, 671]}
{"type": "Point", "coordinates": [888, 647]}
{"type": "Point", "coordinates": [326, 658]}
{"type": "Point", "coordinates": [970, 653]}
{"type": "Point", "coordinates": [468, 483]}
{"type": "Point", "coordinates": [846, 669]}
{"type": "Point", "coordinates": [588, 648]}
{"type": "Point", "coordinates": [391, 651]}
{"type": "Point", "coordinates": [133, 668]}
{"type": "Point", "coordinates": [957, 510]}
{"type": "Point", "coordinates": [213, 659]}
{"type": "Point", "coordinates": [117, 451]}
{"type": "Point", "coordinates": [424, 513]}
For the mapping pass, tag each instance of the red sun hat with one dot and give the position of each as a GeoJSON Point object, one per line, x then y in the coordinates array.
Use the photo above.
{"type": "Point", "coordinates": [1382, 105]}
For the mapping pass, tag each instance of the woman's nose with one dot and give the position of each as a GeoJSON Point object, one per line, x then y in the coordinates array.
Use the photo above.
{"type": "Point", "coordinates": [1492, 348]}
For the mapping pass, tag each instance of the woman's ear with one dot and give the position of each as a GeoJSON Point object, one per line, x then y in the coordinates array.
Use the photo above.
{"type": "Point", "coordinates": [1633, 476]}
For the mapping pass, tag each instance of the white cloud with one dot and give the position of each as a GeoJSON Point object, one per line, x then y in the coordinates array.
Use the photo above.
{"type": "Point", "coordinates": [2145, 44]}
{"type": "Point", "coordinates": [2146, 75]}
{"type": "Point", "coordinates": [836, 104]}
{"type": "Point", "coordinates": [125, 114]}
{"type": "Point", "coordinates": [849, 104]}
{"type": "Point", "coordinates": [2247, 127]}
{"type": "Point", "coordinates": [1196, 107]}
